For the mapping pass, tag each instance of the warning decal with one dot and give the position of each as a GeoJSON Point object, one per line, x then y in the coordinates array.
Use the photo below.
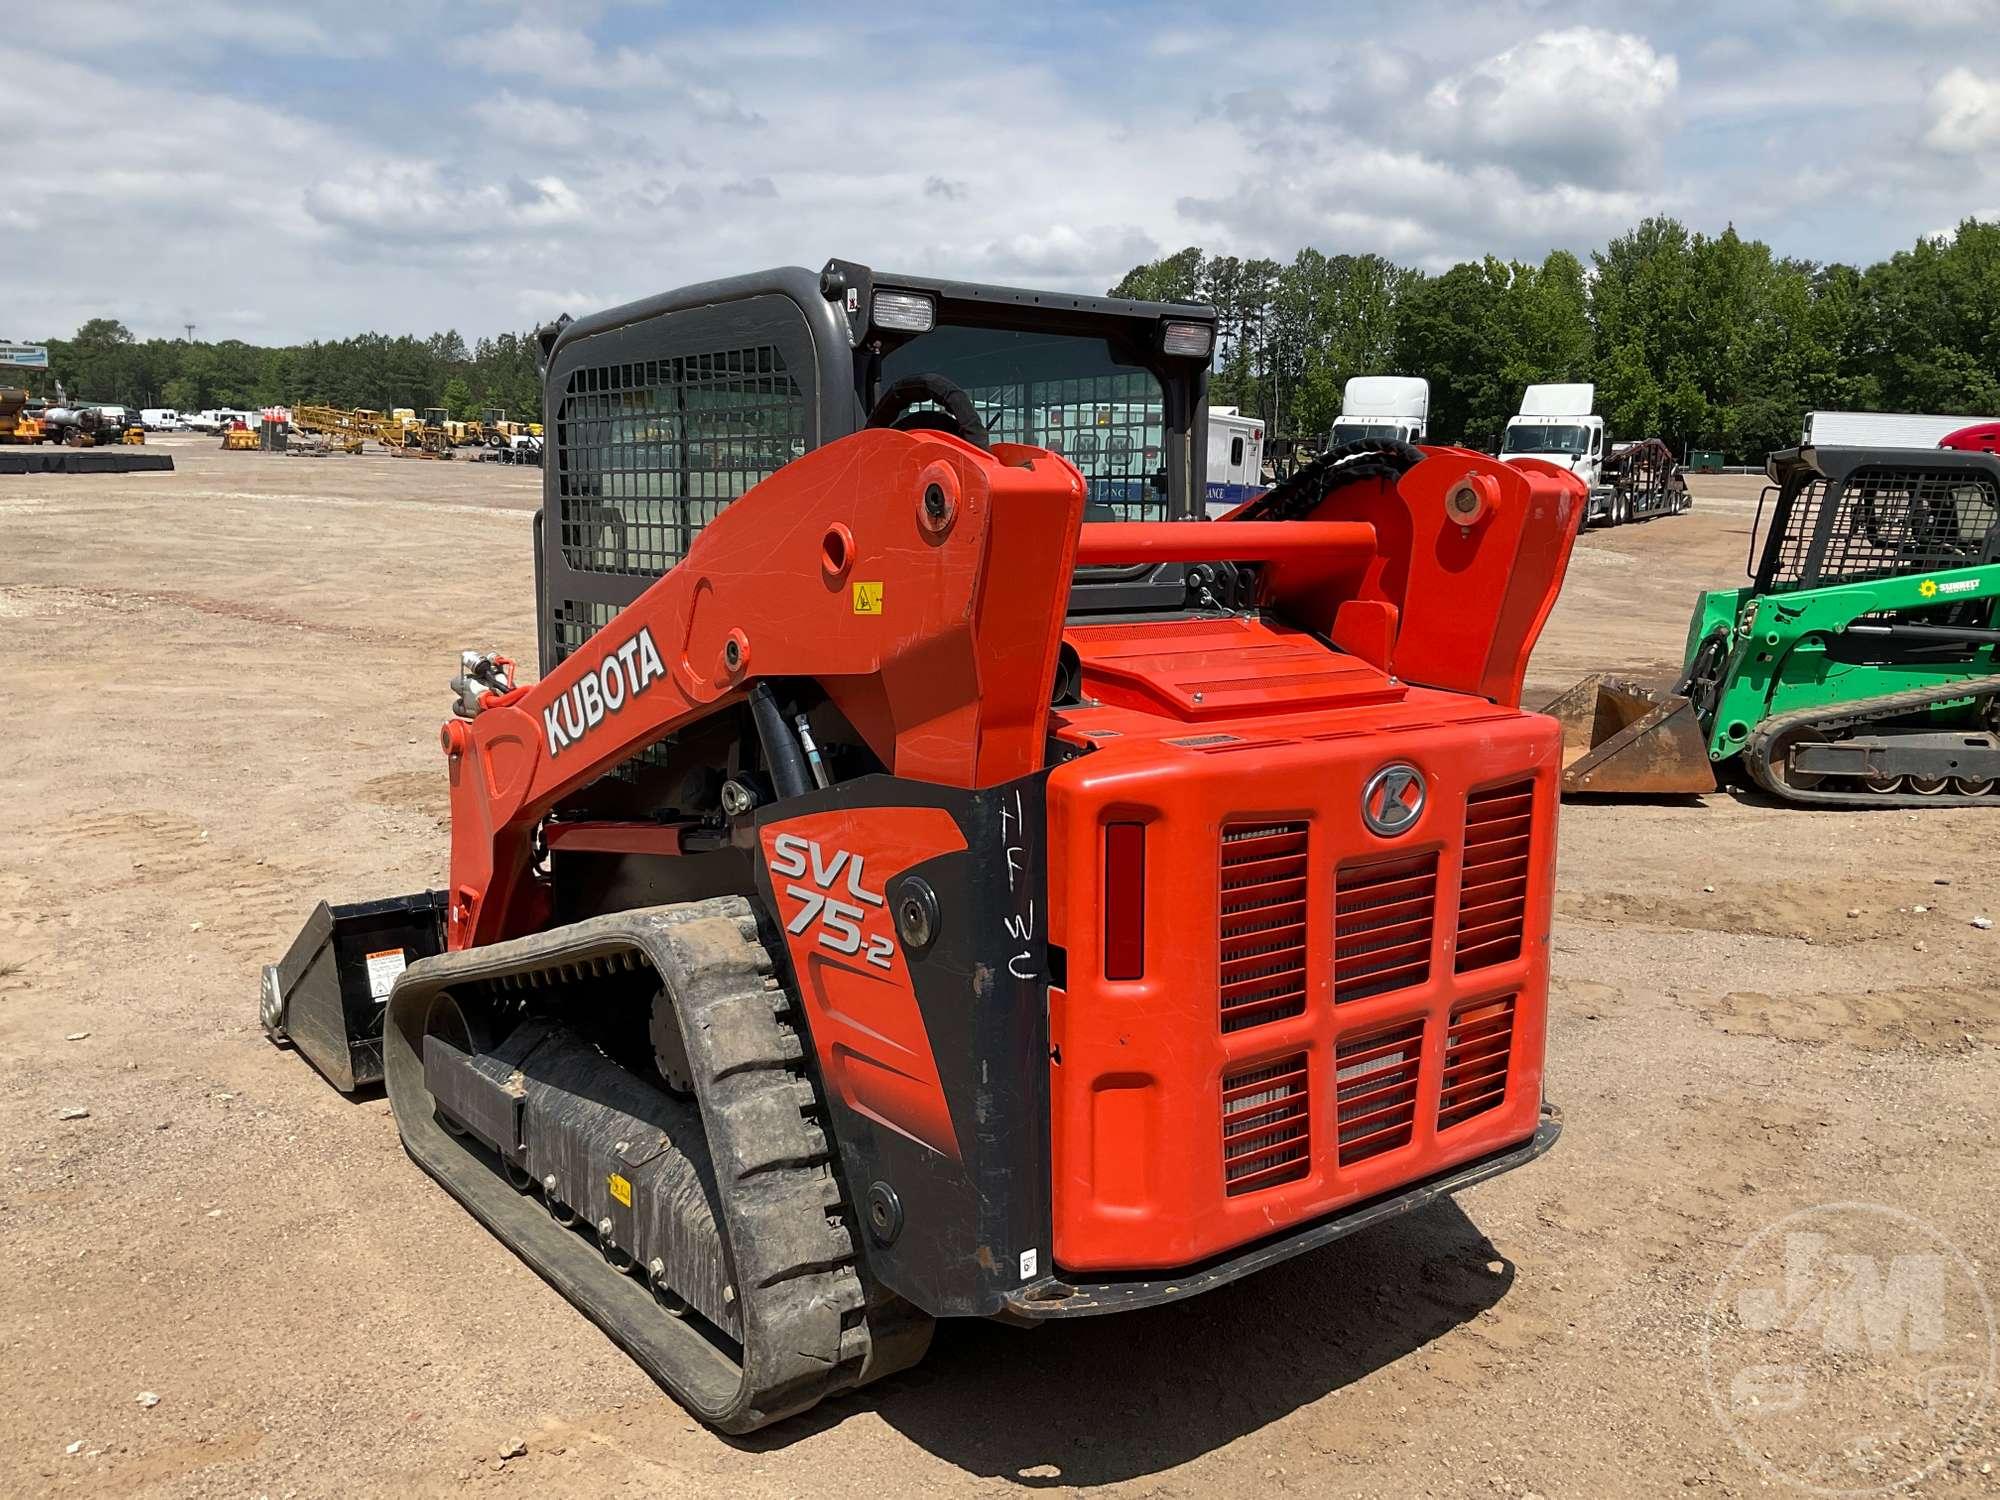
{"type": "Point", "coordinates": [383, 968]}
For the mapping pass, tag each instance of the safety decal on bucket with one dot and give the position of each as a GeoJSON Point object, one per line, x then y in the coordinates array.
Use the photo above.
{"type": "Point", "coordinates": [620, 1189]}
{"type": "Point", "coordinates": [868, 598]}
{"type": "Point", "coordinates": [383, 968]}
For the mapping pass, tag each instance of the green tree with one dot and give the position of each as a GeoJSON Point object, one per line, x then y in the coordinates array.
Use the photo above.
{"type": "Point", "coordinates": [1175, 278]}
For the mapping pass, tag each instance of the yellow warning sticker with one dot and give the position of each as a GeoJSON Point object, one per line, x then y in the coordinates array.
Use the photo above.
{"type": "Point", "coordinates": [868, 598]}
{"type": "Point", "coordinates": [621, 1189]}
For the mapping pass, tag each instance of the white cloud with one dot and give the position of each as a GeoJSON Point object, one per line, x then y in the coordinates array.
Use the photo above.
{"type": "Point", "coordinates": [540, 304]}
{"type": "Point", "coordinates": [533, 122]}
{"type": "Point", "coordinates": [1063, 252]}
{"type": "Point", "coordinates": [524, 49]}
{"type": "Point", "coordinates": [419, 198]}
{"type": "Point", "coordinates": [1922, 15]}
{"type": "Point", "coordinates": [1580, 105]}
{"type": "Point", "coordinates": [211, 28]}
{"type": "Point", "coordinates": [1965, 113]}
{"type": "Point", "coordinates": [491, 165]}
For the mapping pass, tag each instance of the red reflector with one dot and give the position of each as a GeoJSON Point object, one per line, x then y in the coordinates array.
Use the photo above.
{"type": "Point", "coordinates": [1124, 900]}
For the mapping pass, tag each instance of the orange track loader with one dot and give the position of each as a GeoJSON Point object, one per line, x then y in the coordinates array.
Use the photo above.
{"type": "Point", "coordinates": [938, 875]}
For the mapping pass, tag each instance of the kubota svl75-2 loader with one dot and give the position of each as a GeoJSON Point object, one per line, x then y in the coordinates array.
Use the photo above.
{"type": "Point", "coordinates": [936, 875]}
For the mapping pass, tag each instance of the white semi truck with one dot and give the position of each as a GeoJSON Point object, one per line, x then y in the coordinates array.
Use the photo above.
{"type": "Point", "coordinates": [1383, 406]}
{"type": "Point", "coordinates": [1634, 481]}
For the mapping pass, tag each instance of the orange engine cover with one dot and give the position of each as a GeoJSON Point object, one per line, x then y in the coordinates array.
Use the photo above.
{"type": "Point", "coordinates": [1325, 1013]}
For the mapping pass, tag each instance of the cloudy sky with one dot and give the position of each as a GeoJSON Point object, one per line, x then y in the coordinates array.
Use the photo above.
{"type": "Point", "coordinates": [418, 165]}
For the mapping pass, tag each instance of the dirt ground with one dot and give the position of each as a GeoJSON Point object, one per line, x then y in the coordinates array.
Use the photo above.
{"type": "Point", "coordinates": [222, 688]}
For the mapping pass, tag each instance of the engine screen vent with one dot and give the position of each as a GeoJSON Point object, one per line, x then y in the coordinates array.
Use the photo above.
{"type": "Point", "coordinates": [1477, 1045]}
{"type": "Point", "coordinates": [1384, 914]}
{"type": "Point", "coordinates": [1493, 884]}
{"type": "Point", "coordinates": [1266, 1125]}
{"type": "Point", "coordinates": [1375, 1090]}
{"type": "Point", "coordinates": [1263, 930]}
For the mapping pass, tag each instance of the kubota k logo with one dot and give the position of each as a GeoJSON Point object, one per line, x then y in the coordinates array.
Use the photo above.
{"type": "Point", "coordinates": [1393, 800]}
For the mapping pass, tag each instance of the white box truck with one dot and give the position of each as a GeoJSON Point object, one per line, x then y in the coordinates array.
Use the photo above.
{"type": "Point", "coordinates": [1383, 406]}
{"type": "Point", "coordinates": [1881, 429]}
{"type": "Point", "coordinates": [1235, 459]}
{"type": "Point", "coordinates": [1633, 481]}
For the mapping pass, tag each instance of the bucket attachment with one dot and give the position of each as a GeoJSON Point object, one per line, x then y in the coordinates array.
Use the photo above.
{"type": "Point", "coordinates": [326, 995]}
{"type": "Point", "coordinates": [1628, 738]}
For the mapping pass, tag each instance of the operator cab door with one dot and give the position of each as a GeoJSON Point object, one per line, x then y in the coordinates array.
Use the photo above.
{"type": "Point", "coordinates": [661, 413]}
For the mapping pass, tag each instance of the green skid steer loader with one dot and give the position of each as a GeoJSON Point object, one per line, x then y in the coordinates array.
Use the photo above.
{"type": "Point", "coordinates": [1859, 666]}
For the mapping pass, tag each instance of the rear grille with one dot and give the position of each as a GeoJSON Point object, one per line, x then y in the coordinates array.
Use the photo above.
{"type": "Point", "coordinates": [1477, 1046]}
{"type": "Point", "coordinates": [1383, 916]}
{"type": "Point", "coordinates": [1263, 933]}
{"type": "Point", "coordinates": [1266, 1114]}
{"type": "Point", "coordinates": [1375, 1091]}
{"type": "Point", "coordinates": [1493, 885]}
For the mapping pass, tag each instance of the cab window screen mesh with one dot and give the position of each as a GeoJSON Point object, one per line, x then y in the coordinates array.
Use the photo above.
{"type": "Point", "coordinates": [1070, 394]}
{"type": "Point", "coordinates": [1893, 521]}
{"type": "Point", "coordinates": [649, 452]}
{"type": "Point", "coordinates": [1799, 525]}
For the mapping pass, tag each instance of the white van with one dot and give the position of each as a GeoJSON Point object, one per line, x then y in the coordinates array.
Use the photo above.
{"type": "Point", "coordinates": [160, 419]}
{"type": "Point", "coordinates": [1235, 459]}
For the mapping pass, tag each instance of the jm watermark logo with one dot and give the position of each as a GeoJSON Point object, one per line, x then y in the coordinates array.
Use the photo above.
{"type": "Point", "coordinates": [1849, 1349]}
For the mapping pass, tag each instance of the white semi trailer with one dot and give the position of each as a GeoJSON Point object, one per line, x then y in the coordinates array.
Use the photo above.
{"type": "Point", "coordinates": [1881, 429]}
{"type": "Point", "coordinates": [1383, 406]}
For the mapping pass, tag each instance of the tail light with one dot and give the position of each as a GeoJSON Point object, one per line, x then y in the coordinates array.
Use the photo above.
{"type": "Point", "coordinates": [1124, 900]}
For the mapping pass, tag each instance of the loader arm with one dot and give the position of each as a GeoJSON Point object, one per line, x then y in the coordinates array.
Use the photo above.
{"type": "Point", "coordinates": [920, 580]}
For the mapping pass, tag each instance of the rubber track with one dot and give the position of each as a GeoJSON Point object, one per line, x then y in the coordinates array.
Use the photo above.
{"type": "Point", "coordinates": [1765, 739]}
{"type": "Point", "coordinates": [811, 1326]}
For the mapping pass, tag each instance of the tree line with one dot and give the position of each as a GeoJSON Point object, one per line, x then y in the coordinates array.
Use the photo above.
{"type": "Point", "coordinates": [103, 362]}
{"type": "Point", "coordinates": [1708, 342]}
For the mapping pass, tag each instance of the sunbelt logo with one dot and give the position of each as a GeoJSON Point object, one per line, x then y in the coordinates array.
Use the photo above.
{"type": "Point", "coordinates": [622, 676]}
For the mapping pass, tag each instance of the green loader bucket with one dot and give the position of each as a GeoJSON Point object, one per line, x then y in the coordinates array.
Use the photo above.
{"type": "Point", "coordinates": [1623, 738]}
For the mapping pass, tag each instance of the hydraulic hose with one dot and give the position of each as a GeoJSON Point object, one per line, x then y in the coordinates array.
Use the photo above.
{"type": "Point", "coordinates": [782, 755]}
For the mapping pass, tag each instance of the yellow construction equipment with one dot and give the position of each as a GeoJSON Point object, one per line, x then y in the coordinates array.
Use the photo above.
{"type": "Point", "coordinates": [16, 425]}
{"type": "Point", "coordinates": [344, 430]}
{"type": "Point", "coordinates": [240, 440]}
